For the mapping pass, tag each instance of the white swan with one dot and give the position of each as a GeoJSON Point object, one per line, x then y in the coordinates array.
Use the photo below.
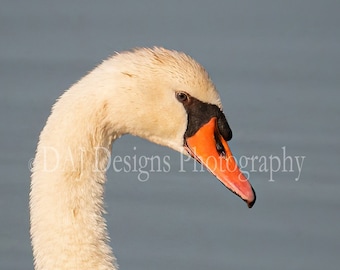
{"type": "Point", "coordinates": [160, 95]}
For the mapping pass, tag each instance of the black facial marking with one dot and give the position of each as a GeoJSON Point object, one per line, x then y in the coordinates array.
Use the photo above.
{"type": "Point", "coordinates": [224, 127]}
{"type": "Point", "coordinates": [200, 113]}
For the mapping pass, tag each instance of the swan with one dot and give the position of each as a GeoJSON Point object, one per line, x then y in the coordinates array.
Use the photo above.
{"type": "Point", "coordinates": [160, 95]}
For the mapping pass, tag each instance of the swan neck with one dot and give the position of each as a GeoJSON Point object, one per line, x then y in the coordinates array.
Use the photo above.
{"type": "Point", "coordinates": [68, 230]}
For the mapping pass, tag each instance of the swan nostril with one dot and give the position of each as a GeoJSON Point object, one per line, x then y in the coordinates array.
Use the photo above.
{"type": "Point", "coordinates": [219, 146]}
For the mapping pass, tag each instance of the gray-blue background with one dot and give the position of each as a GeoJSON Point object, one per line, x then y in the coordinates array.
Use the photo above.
{"type": "Point", "coordinates": [276, 65]}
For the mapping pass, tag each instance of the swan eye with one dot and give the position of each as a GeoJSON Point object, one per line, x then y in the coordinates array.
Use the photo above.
{"type": "Point", "coordinates": [182, 96]}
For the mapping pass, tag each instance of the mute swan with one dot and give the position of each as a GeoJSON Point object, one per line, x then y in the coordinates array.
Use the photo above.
{"type": "Point", "coordinates": [163, 96]}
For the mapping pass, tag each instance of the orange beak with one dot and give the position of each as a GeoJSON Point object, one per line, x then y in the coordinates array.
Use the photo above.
{"type": "Point", "coordinates": [208, 147]}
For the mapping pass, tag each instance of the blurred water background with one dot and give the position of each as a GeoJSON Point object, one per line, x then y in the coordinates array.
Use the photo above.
{"type": "Point", "coordinates": [276, 65]}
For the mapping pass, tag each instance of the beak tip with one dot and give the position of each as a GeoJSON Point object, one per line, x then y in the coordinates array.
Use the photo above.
{"type": "Point", "coordinates": [251, 202]}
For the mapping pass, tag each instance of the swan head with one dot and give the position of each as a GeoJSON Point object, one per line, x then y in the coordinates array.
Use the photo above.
{"type": "Point", "coordinates": [168, 98]}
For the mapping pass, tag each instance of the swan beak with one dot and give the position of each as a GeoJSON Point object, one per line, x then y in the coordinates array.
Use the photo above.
{"type": "Point", "coordinates": [209, 147]}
